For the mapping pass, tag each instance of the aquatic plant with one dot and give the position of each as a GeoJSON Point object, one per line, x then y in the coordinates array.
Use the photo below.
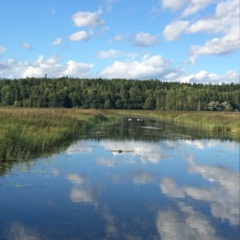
{"type": "Point", "coordinates": [25, 131]}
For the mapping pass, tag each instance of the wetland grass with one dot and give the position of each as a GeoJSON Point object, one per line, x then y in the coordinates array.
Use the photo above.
{"type": "Point", "coordinates": [28, 131]}
{"type": "Point", "coordinates": [225, 122]}
{"type": "Point", "coordinates": [25, 132]}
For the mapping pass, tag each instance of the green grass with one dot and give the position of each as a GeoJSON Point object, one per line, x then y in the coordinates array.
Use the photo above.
{"type": "Point", "coordinates": [28, 131]}
{"type": "Point", "coordinates": [210, 121]}
{"type": "Point", "coordinates": [25, 132]}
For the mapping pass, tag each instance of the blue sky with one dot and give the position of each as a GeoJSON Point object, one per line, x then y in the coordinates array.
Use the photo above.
{"type": "Point", "coordinates": [170, 40]}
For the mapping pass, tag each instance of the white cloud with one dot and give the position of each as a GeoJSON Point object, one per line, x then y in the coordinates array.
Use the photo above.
{"type": "Point", "coordinates": [109, 53]}
{"type": "Point", "coordinates": [15, 69]}
{"type": "Point", "coordinates": [205, 77]}
{"type": "Point", "coordinates": [2, 49]}
{"type": "Point", "coordinates": [117, 38]}
{"type": "Point", "coordinates": [195, 5]}
{"type": "Point", "coordinates": [27, 46]}
{"type": "Point", "coordinates": [229, 43]}
{"type": "Point", "coordinates": [148, 67]}
{"type": "Point", "coordinates": [145, 40]}
{"type": "Point", "coordinates": [110, 4]}
{"type": "Point", "coordinates": [191, 60]}
{"type": "Point", "coordinates": [87, 19]}
{"type": "Point", "coordinates": [80, 36]}
{"type": "Point", "coordinates": [57, 41]}
{"type": "Point", "coordinates": [174, 30]}
{"type": "Point", "coordinates": [77, 69]}
{"type": "Point", "coordinates": [224, 22]}
{"type": "Point", "coordinates": [114, 54]}
{"type": "Point", "coordinates": [173, 4]}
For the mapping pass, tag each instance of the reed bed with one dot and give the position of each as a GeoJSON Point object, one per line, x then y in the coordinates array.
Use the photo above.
{"type": "Point", "coordinates": [24, 132]}
{"type": "Point", "coordinates": [210, 121]}
{"type": "Point", "coordinates": [28, 131]}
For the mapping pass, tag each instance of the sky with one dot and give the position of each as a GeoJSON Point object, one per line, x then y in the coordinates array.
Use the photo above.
{"type": "Point", "coordinates": [192, 41]}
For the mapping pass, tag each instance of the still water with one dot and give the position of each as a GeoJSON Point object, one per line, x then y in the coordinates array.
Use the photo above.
{"type": "Point", "coordinates": [133, 180]}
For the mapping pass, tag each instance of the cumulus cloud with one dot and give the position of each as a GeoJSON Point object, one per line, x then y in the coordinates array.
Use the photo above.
{"type": "Point", "coordinates": [57, 41]}
{"type": "Point", "coordinates": [145, 40]}
{"type": "Point", "coordinates": [205, 77]}
{"type": "Point", "coordinates": [27, 46]}
{"type": "Point", "coordinates": [77, 69]}
{"type": "Point", "coordinates": [174, 30]}
{"type": "Point", "coordinates": [195, 5]}
{"type": "Point", "coordinates": [148, 67]}
{"type": "Point", "coordinates": [80, 36]}
{"type": "Point", "coordinates": [223, 45]}
{"type": "Point", "coordinates": [87, 19]}
{"type": "Point", "coordinates": [15, 69]}
{"type": "Point", "coordinates": [224, 22]}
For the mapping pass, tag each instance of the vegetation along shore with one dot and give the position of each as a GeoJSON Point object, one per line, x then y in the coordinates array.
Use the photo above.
{"type": "Point", "coordinates": [38, 114]}
{"type": "Point", "coordinates": [28, 131]}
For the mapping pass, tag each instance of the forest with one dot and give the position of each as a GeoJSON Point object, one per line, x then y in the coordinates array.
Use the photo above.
{"type": "Point", "coordinates": [68, 92]}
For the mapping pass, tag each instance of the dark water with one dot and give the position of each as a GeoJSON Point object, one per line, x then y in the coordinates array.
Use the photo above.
{"type": "Point", "coordinates": [136, 180]}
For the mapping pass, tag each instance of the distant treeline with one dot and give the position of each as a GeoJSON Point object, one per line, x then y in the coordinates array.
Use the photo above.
{"type": "Point", "coordinates": [118, 94]}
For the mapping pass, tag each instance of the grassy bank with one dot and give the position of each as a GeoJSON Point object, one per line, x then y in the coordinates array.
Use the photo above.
{"type": "Point", "coordinates": [29, 131]}
{"type": "Point", "coordinates": [210, 121]}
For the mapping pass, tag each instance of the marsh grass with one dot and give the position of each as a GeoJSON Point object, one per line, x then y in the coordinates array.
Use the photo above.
{"type": "Point", "coordinates": [211, 121]}
{"type": "Point", "coordinates": [24, 132]}
{"type": "Point", "coordinates": [28, 131]}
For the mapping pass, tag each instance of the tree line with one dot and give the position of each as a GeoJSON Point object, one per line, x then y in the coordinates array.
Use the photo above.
{"type": "Point", "coordinates": [118, 94]}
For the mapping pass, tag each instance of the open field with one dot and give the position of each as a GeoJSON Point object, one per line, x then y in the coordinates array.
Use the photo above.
{"type": "Point", "coordinates": [27, 131]}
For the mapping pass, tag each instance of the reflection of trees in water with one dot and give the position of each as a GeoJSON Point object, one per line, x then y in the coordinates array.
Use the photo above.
{"type": "Point", "coordinates": [152, 130]}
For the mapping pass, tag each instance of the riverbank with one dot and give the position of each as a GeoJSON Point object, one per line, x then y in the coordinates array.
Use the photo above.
{"type": "Point", "coordinates": [225, 122]}
{"type": "Point", "coordinates": [28, 131]}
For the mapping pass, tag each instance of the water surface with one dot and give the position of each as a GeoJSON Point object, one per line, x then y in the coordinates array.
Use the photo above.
{"type": "Point", "coordinates": [133, 180]}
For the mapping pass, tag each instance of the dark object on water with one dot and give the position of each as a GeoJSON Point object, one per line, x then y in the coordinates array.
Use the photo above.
{"type": "Point", "coordinates": [120, 151]}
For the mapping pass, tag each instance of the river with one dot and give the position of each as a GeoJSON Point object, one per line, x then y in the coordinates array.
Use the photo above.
{"type": "Point", "coordinates": [137, 179]}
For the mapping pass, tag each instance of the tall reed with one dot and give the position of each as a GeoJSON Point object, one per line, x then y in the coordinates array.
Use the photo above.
{"type": "Point", "coordinates": [24, 132]}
